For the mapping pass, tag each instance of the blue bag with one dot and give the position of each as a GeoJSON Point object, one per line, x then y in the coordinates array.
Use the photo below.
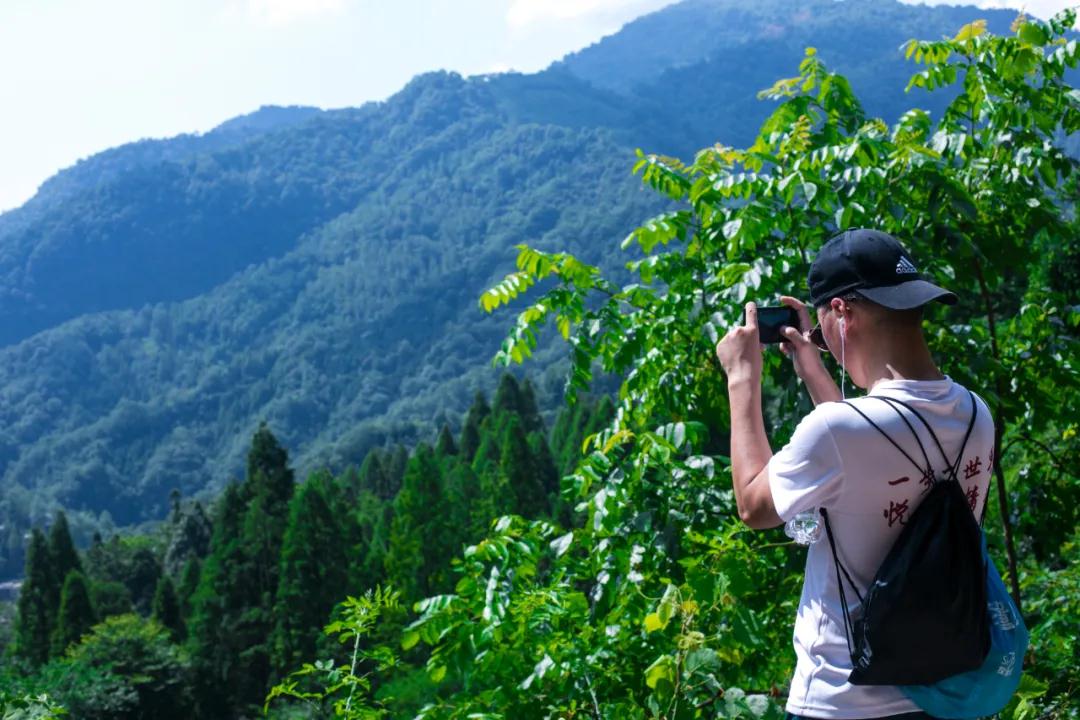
{"type": "Point", "coordinates": [988, 689]}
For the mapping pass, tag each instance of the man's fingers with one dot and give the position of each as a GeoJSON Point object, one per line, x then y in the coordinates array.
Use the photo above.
{"type": "Point", "coordinates": [750, 316]}
{"type": "Point", "coordinates": [800, 308]}
{"type": "Point", "coordinates": [794, 337]}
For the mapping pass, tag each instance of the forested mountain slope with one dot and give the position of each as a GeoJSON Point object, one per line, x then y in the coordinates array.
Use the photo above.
{"type": "Point", "coordinates": [319, 270]}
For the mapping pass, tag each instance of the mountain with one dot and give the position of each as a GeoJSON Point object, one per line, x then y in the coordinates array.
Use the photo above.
{"type": "Point", "coordinates": [319, 269]}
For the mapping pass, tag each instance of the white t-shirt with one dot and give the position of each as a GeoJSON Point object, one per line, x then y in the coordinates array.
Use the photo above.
{"type": "Point", "coordinates": [838, 461]}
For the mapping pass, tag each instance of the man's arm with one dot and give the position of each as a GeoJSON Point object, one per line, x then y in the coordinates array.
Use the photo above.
{"type": "Point", "coordinates": [740, 354]}
{"type": "Point", "coordinates": [750, 454]}
{"type": "Point", "coordinates": [806, 357]}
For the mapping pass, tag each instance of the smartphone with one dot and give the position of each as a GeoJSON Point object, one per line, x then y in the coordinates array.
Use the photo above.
{"type": "Point", "coordinates": [772, 319]}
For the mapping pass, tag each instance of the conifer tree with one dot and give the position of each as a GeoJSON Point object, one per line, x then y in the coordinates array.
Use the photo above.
{"type": "Point", "coordinates": [418, 557]}
{"type": "Point", "coordinates": [216, 608]}
{"type": "Point", "coordinates": [507, 396]}
{"type": "Point", "coordinates": [189, 584]}
{"type": "Point", "coordinates": [470, 429]}
{"type": "Point", "coordinates": [313, 575]}
{"type": "Point", "coordinates": [76, 615]}
{"type": "Point", "coordinates": [236, 652]}
{"type": "Point", "coordinates": [444, 445]}
{"type": "Point", "coordinates": [544, 464]}
{"type": "Point", "coordinates": [166, 609]}
{"type": "Point", "coordinates": [394, 467]}
{"type": "Point", "coordinates": [374, 476]}
{"type": "Point", "coordinates": [371, 525]}
{"type": "Point", "coordinates": [468, 510]}
{"type": "Point", "coordinates": [527, 408]}
{"type": "Point", "coordinates": [62, 550]}
{"type": "Point", "coordinates": [530, 498]}
{"type": "Point", "coordinates": [37, 604]}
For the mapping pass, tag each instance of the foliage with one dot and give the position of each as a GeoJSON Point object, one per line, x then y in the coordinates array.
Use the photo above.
{"type": "Point", "coordinates": [346, 688]}
{"type": "Point", "coordinates": [317, 269]}
{"type": "Point", "coordinates": [145, 675]}
{"type": "Point", "coordinates": [977, 197]}
{"type": "Point", "coordinates": [76, 615]}
{"type": "Point", "coordinates": [26, 707]}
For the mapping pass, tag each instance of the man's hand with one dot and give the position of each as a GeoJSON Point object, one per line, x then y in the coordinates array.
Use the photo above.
{"type": "Point", "coordinates": [806, 357]}
{"type": "Point", "coordinates": [739, 351]}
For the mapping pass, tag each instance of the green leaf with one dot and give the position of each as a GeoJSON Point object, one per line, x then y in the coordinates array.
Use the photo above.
{"type": "Point", "coordinates": [970, 31]}
{"type": "Point", "coordinates": [661, 671]}
{"type": "Point", "coordinates": [409, 639]}
{"type": "Point", "coordinates": [1033, 34]}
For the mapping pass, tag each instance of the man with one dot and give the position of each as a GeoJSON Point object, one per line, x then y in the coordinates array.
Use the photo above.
{"type": "Point", "coordinates": [868, 297]}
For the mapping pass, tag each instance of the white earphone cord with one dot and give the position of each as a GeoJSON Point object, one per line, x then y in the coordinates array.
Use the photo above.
{"type": "Point", "coordinates": [843, 362]}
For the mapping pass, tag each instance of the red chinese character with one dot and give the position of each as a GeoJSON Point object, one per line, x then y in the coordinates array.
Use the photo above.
{"type": "Point", "coordinates": [900, 480]}
{"type": "Point", "coordinates": [895, 513]}
{"type": "Point", "coordinates": [973, 468]}
{"type": "Point", "coordinates": [927, 479]}
{"type": "Point", "coordinates": [973, 496]}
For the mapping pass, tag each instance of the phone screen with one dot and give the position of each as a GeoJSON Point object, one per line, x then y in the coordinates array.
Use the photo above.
{"type": "Point", "coordinates": [771, 319]}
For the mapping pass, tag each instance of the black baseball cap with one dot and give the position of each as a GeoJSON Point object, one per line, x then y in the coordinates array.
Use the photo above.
{"type": "Point", "coordinates": [875, 265]}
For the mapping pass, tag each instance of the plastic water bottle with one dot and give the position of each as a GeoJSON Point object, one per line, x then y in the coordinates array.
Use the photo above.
{"type": "Point", "coordinates": [804, 528]}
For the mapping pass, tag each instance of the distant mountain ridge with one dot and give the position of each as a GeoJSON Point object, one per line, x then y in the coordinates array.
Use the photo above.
{"type": "Point", "coordinates": [319, 269]}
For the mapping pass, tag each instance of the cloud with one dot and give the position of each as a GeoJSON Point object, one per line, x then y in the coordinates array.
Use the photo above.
{"type": "Point", "coordinates": [523, 13]}
{"type": "Point", "coordinates": [1039, 8]}
{"type": "Point", "coordinates": [281, 12]}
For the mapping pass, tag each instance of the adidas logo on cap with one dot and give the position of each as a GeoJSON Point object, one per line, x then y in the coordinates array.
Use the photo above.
{"type": "Point", "coordinates": [905, 266]}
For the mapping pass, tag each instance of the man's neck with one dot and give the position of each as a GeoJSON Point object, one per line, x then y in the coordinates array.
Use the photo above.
{"type": "Point", "coordinates": [899, 355]}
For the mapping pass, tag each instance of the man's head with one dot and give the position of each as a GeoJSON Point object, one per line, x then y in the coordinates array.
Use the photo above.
{"type": "Point", "coordinates": [869, 298]}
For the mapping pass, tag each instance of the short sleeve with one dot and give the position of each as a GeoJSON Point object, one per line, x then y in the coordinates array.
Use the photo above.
{"type": "Point", "coordinates": [807, 472]}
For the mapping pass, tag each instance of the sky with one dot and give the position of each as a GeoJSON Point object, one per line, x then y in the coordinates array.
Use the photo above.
{"type": "Point", "coordinates": [78, 77]}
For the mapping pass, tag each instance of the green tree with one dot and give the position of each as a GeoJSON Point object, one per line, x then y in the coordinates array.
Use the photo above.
{"type": "Point", "coordinates": [313, 574]}
{"type": "Point", "coordinates": [76, 615]}
{"type": "Point", "coordinates": [216, 608]}
{"type": "Point", "coordinates": [470, 429]}
{"type": "Point", "coordinates": [374, 476]}
{"type": "Point", "coordinates": [62, 549]}
{"type": "Point", "coordinates": [37, 605]}
{"type": "Point", "coordinates": [522, 472]}
{"type": "Point", "coordinates": [444, 444]}
{"type": "Point", "coordinates": [189, 584]}
{"type": "Point", "coordinates": [166, 609]}
{"type": "Point", "coordinates": [135, 672]}
{"type": "Point", "coordinates": [417, 555]}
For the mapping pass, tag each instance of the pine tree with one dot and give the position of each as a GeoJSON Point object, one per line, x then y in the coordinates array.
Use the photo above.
{"type": "Point", "coordinates": [374, 477]}
{"type": "Point", "coordinates": [313, 575]}
{"type": "Point", "coordinates": [189, 584]}
{"type": "Point", "coordinates": [444, 445]}
{"type": "Point", "coordinates": [232, 619]}
{"type": "Point", "coordinates": [37, 604]}
{"type": "Point", "coordinates": [216, 606]}
{"type": "Point", "coordinates": [527, 408]}
{"type": "Point", "coordinates": [544, 464]}
{"type": "Point", "coordinates": [417, 558]}
{"type": "Point", "coordinates": [470, 429]}
{"type": "Point", "coordinates": [166, 609]}
{"type": "Point", "coordinates": [468, 510]}
{"type": "Point", "coordinates": [76, 615]}
{"type": "Point", "coordinates": [516, 464]}
{"type": "Point", "coordinates": [62, 550]}
{"type": "Point", "coordinates": [371, 538]}
{"type": "Point", "coordinates": [507, 396]}
{"type": "Point", "coordinates": [394, 467]}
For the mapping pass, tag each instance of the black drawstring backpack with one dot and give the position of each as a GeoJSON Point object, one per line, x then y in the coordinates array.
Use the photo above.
{"type": "Point", "coordinates": [924, 617]}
